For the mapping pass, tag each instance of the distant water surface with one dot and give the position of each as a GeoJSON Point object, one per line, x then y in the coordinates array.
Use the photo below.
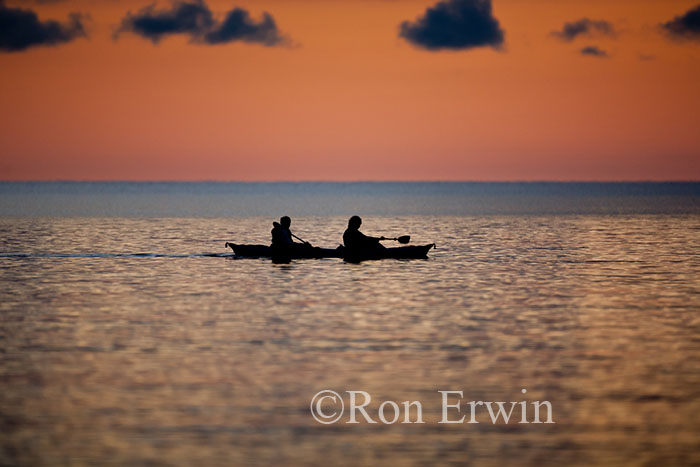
{"type": "Point", "coordinates": [130, 336]}
{"type": "Point", "coordinates": [213, 199]}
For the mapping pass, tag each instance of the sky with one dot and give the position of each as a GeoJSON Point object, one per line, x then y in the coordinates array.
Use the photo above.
{"type": "Point", "coordinates": [258, 90]}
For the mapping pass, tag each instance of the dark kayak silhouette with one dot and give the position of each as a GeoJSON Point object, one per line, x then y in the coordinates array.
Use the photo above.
{"type": "Point", "coordinates": [310, 252]}
{"type": "Point", "coordinates": [356, 246]}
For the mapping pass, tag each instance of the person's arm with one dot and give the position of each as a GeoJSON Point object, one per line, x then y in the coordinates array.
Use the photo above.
{"type": "Point", "coordinates": [367, 240]}
{"type": "Point", "coordinates": [292, 237]}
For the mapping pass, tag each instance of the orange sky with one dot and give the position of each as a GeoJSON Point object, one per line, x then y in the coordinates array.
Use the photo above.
{"type": "Point", "coordinates": [353, 101]}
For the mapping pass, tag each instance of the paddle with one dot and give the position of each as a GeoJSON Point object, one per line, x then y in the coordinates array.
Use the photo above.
{"type": "Point", "coordinates": [300, 239]}
{"type": "Point", "coordinates": [402, 239]}
{"type": "Point", "coordinates": [277, 224]}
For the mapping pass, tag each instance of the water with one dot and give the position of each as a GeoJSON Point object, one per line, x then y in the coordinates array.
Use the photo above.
{"type": "Point", "coordinates": [130, 336]}
{"type": "Point", "coordinates": [212, 200]}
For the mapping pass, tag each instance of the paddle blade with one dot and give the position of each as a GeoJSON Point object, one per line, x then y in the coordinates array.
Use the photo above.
{"type": "Point", "coordinates": [404, 239]}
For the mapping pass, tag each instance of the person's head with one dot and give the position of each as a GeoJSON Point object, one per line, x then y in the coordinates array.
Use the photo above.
{"type": "Point", "coordinates": [355, 222]}
{"type": "Point", "coordinates": [285, 221]}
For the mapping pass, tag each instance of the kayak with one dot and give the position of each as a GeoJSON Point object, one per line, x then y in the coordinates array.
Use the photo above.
{"type": "Point", "coordinates": [309, 252]}
{"type": "Point", "coordinates": [399, 252]}
{"type": "Point", "coordinates": [298, 252]}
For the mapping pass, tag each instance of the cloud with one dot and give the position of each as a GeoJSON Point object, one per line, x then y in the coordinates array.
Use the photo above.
{"type": "Point", "coordinates": [239, 26]}
{"type": "Point", "coordinates": [184, 18]}
{"type": "Point", "coordinates": [593, 51]}
{"type": "Point", "coordinates": [686, 26]}
{"type": "Point", "coordinates": [455, 25]}
{"type": "Point", "coordinates": [585, 27]}
{"type": "Point", "coordinates": [194, 18]}
{"type": "Point", "coordinates": [21, 29]}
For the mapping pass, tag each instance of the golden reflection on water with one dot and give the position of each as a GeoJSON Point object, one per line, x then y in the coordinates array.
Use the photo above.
{"type": "Point", "coordinates": [195, 359]}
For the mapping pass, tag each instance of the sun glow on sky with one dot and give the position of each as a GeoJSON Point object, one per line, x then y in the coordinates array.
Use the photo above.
{"type": "Point", "coordinates": [345, 97]}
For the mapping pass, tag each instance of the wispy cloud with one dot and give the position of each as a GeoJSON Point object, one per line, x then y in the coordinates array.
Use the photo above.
{"type": "Point", "coordinates": [195, 19]}
{"type": "Point", "coordinates": [585, 27]}
{"type": "Point", "coordinates": [593, 51]}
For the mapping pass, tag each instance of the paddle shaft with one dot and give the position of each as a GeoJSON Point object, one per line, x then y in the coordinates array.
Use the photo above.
{"type": "Point", "coordinates": [300, 239]}
{"type": "Point", "coordinates": [277, 224]}
{"type": "Point", "coordinates": [402, 239]}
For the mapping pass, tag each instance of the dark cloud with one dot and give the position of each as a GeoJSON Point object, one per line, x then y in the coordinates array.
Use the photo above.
{"type": "Point", "coordinates": [593, 51]}
{"type": "Point", "coordinates": [21, 29]}
{"type": "Point", "coordinates": [194, 18]}
{"type": "Point", "coordinates": [455, 25]}
{"type": "Point", "coordinates": [585, 27]}
{"type": "Point", "coordinates": [183, 18]}
{"type": "Point", "coordinates": [239, 26]}
{"type": "Point", "coordinates": [686, 26]}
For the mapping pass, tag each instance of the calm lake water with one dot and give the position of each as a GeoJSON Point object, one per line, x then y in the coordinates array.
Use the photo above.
{"type": "Point", "coordinates": [130, 336]}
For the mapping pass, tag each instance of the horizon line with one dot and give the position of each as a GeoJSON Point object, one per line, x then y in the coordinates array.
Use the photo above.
{"type": "Point", "coordinates": [59, 180]}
